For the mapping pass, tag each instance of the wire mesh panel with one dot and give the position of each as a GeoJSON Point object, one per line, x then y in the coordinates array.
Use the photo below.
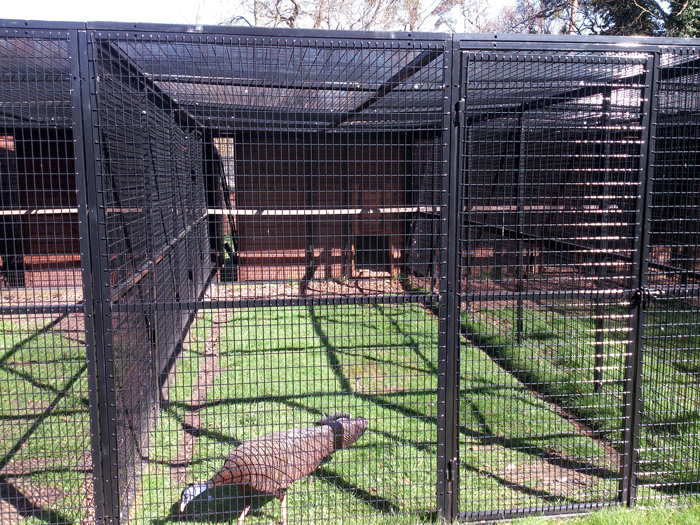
{"type": "Point", "coordinates": [552, 165]}
{"type": "Point", "coordinates": [348, 272]}
{"type": "Point", "coordinates": [156, 257]}
{"type": "Point", "coordinates": [307, 175]}
{"type": "Point", "coordinates": [46, 472]}
{"type": "Point", "coordinates": [669, 432]}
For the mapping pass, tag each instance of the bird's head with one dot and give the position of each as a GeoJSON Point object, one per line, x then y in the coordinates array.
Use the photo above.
{"type": "Point", "coordinates": [347, 429]}
{"type": "Point", "coordinates": [191, 492]}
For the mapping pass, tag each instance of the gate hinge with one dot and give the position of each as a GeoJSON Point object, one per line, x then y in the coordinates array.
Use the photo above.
{"type": "Point", "coordinates": [451, 466]}
{"type": "Point", "coordinates": [458, 110]}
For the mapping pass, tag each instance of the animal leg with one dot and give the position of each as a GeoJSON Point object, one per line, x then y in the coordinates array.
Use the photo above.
{"type": "Point", "coordinates": [243, 514]}
{"type": "Point", "coordinates": [284, 508]}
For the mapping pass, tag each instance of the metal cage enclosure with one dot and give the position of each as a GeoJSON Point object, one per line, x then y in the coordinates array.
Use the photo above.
{"type": "Point", "coordinates": [485, 245]}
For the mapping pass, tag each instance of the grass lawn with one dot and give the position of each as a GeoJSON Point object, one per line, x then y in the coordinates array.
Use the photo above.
{"type": "Point", "coordinates": [555, 357]}
{"type": "Point", "coordinates": [44, 424]}
{"type": "Point", "coordinates": [250, 372]}
{"type": "Point", "coordinates": [624, 516]}
{"type": "Point", "coordinates": [279, 368]}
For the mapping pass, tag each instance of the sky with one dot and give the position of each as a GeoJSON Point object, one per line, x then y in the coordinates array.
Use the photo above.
{"type": "Point", "coordinates": [200, 12]}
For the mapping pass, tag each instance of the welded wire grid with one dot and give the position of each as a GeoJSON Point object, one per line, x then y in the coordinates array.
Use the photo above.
{"type": "Point", "coordinates": [669, 440]}
{"type": "Point", "coordinates": [552, 153]}
{"type": "Point", "coordinates": [270, 239]}
{"type": "Point", "coordinates": [45, 459]}
{"type": "Point", "coordinates": [155, 248]}
{"type": "Point", "coordinates": [301, 179]}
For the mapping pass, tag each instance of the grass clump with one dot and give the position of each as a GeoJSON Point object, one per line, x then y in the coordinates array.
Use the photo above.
{"type": "Point", "coordinates": [625, 516]}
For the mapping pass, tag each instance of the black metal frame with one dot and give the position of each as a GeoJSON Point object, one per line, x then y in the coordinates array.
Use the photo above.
{"type": "Point", "coordinates": [98, 310]}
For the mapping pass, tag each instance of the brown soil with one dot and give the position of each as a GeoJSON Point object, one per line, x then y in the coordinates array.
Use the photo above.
{"type": "Point", "coordinates": [208, 372]}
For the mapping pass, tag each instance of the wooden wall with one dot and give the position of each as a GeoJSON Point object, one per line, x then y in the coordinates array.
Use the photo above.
{"type": "Point", "coordinates": [280, 179]}
{"type": "Point", "coordinates": [46, 189]}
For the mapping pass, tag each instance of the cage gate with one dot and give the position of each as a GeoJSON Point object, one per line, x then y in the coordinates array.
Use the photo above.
{"type": "Point", "coordinates": [485, 247]}
{"type": "Point", "coordinates": [553, 175]}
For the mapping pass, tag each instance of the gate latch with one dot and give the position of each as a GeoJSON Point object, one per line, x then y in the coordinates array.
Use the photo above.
{"type": "Point", "coordinates": [644, 296]}
{"type": "Point", "coordinates": [458, 109]}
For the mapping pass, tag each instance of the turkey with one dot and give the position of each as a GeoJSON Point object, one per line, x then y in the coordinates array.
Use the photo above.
{"type": "Point", "coordinates": [268, 465]}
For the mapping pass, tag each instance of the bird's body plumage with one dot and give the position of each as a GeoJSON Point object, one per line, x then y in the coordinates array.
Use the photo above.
{"type": "Point", "coordinates": [271, 463]}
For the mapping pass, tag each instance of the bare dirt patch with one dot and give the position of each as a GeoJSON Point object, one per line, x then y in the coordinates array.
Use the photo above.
{"type": "Point", "coordinates": [208, 372]}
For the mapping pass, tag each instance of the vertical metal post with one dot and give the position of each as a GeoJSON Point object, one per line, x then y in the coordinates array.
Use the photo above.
{"type": "Point", "coordinates": [78, 54]}
{"type": "Point", "coordinates": [98, 261]}
{"type": "Point", "coordinates": [310, 188]}
{"type": "Point", "coordinates": [519, 245]}
{"type": "Point", "coordinates": [346, 259]}
{"type": "Point", "coordinates": [600, 269]}
{"type": "Point", "coordinates": [450, 250]}
{"type": "Point", "coordinates": [634, 363]}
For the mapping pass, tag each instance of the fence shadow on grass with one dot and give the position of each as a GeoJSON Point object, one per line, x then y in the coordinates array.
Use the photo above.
{"type": "Point", "coordinates": [24, 507]}
{"type": "Point", "coordinates": [22, 503]}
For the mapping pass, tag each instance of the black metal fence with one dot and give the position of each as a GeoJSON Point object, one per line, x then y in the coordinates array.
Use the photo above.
{"type": "Point", "coordinates": [487, 246]}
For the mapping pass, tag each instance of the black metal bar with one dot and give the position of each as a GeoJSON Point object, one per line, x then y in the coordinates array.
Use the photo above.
{"type": "Point", "coordinates": [396, 80]}
{"type": "Point", "coordinates": [315, 84]}
{"type": "Point", "coordinates": [519, 244]}
{"type": "Point", "coordinates": [206, 304]}
{"type": "Point", "coordinates": [634, 363]}
{"type": "Point", "coordinates": [41, 27]}
{"type": "Point", "coordinates": [310, 187]}
{"type": "Point", "coordinates": [78, 50]}
{"type": "Point", "coordinates": [317, 36]}
{"type": "Point", "coordinates": [553, 511]}
{"type": "Point", "coordinates": [39, 308]}
{"type": "Point", "coordinates": [601, 272]}
{"type": "Point", "coordinates": [100, 282]}
{"type": "Point", "coordinates": [218, 304]}
{"type": "Point", "coordinates": [448, 386]}
{"type": "Point", "coordinates": [466, 40]}
{"type": "Point", "coordinates": [348, 252]}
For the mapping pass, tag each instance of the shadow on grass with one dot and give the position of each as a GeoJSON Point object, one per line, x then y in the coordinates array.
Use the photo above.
{"type": "Point", "coordinates": [563, 388]}
{"type": "Point", "coordinates": [402, 404]}
{"type": "Point", "coordinates": [219, 505]}
{"type": "Point", "coordinates": [485, 434]}
{"type": "Point", "coordinates": [25, 508]}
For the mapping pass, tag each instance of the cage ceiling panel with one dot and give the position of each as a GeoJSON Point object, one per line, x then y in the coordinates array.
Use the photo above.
{"type": "Point", "coordinates": [552, 87]}
{"type": "Point", "coordinates": [230, 84]}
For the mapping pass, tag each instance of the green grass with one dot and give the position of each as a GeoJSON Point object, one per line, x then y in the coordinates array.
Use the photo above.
{"type": "Point", "coordinates": [625, 516]}
{"type": "Point", "coordinates": [380, 362]}
{"type": "Point", "coordinates": [44, 421]}
{"type": "Point", "coordinates": [280, 368]}
{"type": "Point", "coordinates": [555, 357]}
